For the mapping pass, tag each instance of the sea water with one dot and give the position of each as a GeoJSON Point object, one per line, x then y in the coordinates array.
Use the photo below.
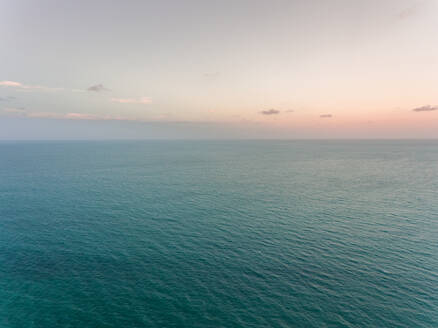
{"type": "Point", "coordinates": [219, 234]}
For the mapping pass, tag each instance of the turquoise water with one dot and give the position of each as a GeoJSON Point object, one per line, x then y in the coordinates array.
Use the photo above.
{"type": "Point", "coordinates": [219, 234]}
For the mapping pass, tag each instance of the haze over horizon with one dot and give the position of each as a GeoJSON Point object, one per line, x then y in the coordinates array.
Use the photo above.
{"type": "Point", "coordinates": [218, 69]}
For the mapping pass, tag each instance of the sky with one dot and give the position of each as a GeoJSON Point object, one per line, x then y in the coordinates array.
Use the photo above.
{"type": "Point", "coordinates": [218, 69]}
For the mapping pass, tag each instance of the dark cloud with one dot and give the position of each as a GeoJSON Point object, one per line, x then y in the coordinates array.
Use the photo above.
{"type": "Point", "coordinates": [426, 108]}
{"type": "Point", "coordinates": [326, 116]}
{"type": "Point", "coordinates": [97, 88]}
{"type": "Point", "coordinates": [270, 112]}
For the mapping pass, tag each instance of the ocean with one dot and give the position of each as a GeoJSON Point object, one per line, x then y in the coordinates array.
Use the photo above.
{"type": "Point", "coordinates": [219, 234]}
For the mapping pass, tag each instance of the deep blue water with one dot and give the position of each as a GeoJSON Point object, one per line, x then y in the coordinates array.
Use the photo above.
{"type": "Point", "coordinates": [219, 234]}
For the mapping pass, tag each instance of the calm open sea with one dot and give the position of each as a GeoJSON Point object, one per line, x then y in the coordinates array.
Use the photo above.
{"type": "Point", "coordinates": [219, 234]}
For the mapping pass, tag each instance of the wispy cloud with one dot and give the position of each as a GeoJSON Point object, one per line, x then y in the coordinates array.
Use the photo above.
{"type": "Point", "coordinates": [141, 100]}
{"type": "Point", "coordinates": [43, 115]}
{"type": "Point", "coordinates": [98, 88]}
{"type": "Point", "coordinates": [426, 108]}
{"type": "Point", "coordinates": [289, 111]}
{"type": "Point", "coordinates": [21, 112]}
{"type": "Point", "coordinates": [326, 115]}
{"type": "Point", "coordinates": [8, 98]}
{"type": "Point", "coordinates": [15, 111]}
{"type": "Point", "coordinates": [409, 11]}
{"type": "Point", "coordinates": [20, 85]}
{"type": "Point", "coordinates": [11, 84]}
{"type": "Point", "coordinates": [82, 116]}
{"type": "Point", "coordinates": [271, 111]}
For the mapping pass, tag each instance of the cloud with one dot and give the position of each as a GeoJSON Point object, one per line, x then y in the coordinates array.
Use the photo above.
{"type": "Point", "coordinates": [426, 108]}
{"type": "Point", "coordinates": [289, 111]}
{"type": "Point", "coordinates": [11, 84]}
{"type": "Point", "coordinates": [72, 116]}
{"type": "Point", "coordinates": [81, 116]}
{"type": "Point", "coordinates": [43, 115]}
{"type": "Point", "coordinates": [15, 111]}
{"type": "Point", "coordinates": [19, 85]}
{"type": "Point", "coordinates": [9, 98]}
{"type": "Point", "coordinates": [326, 116]}
{"type": "Point", "coordinates": [141, 100]}
{"type": "Point", "coordinates": [271, 111]}
{"type": "Point", "coordinates": [97, 88]}
{"type": "Point", "coordinates": [21, 112]}
{"type": "Point", "coordinates": [409, 11]}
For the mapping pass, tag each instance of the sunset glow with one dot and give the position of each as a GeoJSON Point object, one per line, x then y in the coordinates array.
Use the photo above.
{"type": "Point", "coordinates": [355, 69]}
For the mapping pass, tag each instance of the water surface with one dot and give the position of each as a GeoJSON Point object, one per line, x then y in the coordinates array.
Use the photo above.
{"type": "Point", "coordinates": [219, 234]}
